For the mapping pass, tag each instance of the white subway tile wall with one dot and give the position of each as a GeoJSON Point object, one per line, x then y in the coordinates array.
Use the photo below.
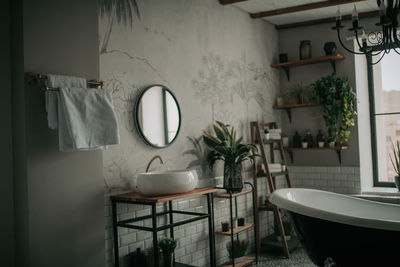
{"type": "Point", "coordinates": [192, 238]}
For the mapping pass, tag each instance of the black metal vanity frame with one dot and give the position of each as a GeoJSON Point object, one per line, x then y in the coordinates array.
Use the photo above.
{"type": "Point", "coordinates": [155, 228]}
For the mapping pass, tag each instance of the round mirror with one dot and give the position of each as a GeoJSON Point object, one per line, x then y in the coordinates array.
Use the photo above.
{"type": "Point", "coordinates": [158, 117]}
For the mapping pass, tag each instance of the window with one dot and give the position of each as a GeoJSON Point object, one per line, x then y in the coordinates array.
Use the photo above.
{"type": "Point", "coordinates": [384, 94]}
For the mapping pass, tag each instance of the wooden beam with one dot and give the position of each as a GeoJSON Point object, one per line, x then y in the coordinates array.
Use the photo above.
{"type": "Point", "coordinates": [227, 2]}
{"type": "Point", "coordinates": [325, 20]}
{"type": "Point", "coordinates": [304, 7]}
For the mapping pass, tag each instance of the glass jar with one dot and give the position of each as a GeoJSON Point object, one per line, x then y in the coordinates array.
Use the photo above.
{"type": "Point", "coordinates": [305, 49]}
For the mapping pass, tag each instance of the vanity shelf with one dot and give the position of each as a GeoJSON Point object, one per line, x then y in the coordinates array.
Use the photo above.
{"type": "Point", "coordinates": [338, 150]}
{"type": "Point", "coordinates": [134, 198]}
{"type": "Point", "coordinates": [296, 63]}
{"type": "Point", "coordinates": [236, 230]}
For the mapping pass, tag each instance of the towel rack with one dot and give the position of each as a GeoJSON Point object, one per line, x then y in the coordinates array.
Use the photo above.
{"type": "Point", "coordinates": [37, 78]}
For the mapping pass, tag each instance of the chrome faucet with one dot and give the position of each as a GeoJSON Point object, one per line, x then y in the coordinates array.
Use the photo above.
{"type": "Point", "coordinates": [151, 161]}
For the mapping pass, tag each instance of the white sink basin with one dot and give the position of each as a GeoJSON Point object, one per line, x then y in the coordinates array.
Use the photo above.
{"type": "Point", "coordinates": [166, 182]}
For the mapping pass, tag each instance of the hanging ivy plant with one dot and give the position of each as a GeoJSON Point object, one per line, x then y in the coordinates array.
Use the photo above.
{"type": "Point", "coordinates": [338, 103]}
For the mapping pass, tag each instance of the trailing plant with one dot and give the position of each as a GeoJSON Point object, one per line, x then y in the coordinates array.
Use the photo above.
{"type": "Point", "coordinates": [239, 248]}
{"type": "Point", "coordinates": [224, 146]}
{"type": "Point", "coordinates": [396, 155]}
{"type": "Point", "coordinates": [167, 245]}
{"type": "Point", "coordinates": [338, 106]}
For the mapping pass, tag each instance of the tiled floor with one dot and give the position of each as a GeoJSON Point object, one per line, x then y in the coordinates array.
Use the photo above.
{"type": "Point", "coordinates": [298, 258]}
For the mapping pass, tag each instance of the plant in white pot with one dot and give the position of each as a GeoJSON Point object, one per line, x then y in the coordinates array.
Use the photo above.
{"type": "Point", "coordinates": [395, 163]}
{"type": "Point", "coordinates": [224, 146]}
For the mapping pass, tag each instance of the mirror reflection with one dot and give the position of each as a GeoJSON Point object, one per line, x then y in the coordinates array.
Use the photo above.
{"type": "Point", "coordinates": [158, 116]}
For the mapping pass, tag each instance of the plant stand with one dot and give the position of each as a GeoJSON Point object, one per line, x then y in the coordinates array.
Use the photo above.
{"type": "Point", "coordinates": [236, 230]}
{"type": "Point", "coordinates": [137, 199]}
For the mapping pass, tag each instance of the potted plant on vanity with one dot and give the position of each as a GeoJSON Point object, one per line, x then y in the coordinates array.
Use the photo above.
{"type": "Point", "coordinates": [396, 164]}
{"type": "Point", "coordinates": [224, 146]}
{"type": "Point", "coordinates": [338, 103]}
{"type": "Point", "coordinates": [167, 246]}
{"type": "Point", "coordinates": [239, 250]}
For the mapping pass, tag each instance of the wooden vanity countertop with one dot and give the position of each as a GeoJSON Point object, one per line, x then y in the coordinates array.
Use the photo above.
{"type": "Point", "coordinates": [135, 196]}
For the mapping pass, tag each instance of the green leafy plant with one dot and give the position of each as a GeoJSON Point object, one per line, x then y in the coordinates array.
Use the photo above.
{"type": "Point", "coordinates": [224, 146]}
{"type": "Point", "coordinates": [167, 245]}
{"type": "Point", "coordinates": [297, 92]}
{"type": "Point", "coordinates": [338, 106]}
{"type": "Point", "coordinates": [239, 248]}
{"type": "Point", "coordinates": [396, 155]}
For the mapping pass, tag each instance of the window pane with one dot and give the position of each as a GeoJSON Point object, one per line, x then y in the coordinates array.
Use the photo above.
{"type": "Point", "coordinates": [387, 130]}
{"type": "Point", "coordinates": [386, 83]}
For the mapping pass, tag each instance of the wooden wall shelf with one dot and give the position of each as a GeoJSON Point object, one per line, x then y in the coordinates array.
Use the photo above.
{"type": "Point", "coordinates": [338, 150]}
{"type": "Point", "coordinates": [296, 63]}
{"type": "Point", "coordinates": [288, 108]}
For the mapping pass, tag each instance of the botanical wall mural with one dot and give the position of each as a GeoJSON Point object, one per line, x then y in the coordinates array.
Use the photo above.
{"type": "Point", "coordinates": [231, 83]}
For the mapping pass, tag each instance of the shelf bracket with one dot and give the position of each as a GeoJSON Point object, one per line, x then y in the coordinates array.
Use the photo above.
{"type": "Point", "coordinates": [286, 69]}
{"type": "Point", "coordinates": [333, 63]}
{"type": "Point", "coordinates": [339, 153]}
{"type": "Point", "coordinates": [289, 114]}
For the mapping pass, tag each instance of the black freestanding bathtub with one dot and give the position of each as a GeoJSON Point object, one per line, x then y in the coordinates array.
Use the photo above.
{"type": "Point", "coordinates": [346, 230]}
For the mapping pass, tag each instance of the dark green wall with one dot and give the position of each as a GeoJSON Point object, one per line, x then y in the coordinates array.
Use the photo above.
{"type": "Point", "coordinates": [6, 181]}
{"type": "Point", "coordinates": [59, 204]}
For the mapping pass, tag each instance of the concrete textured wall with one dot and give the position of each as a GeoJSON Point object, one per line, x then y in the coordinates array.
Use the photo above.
{"type": "Point", "coordinates": [216, 60]}
{"type": "Point", "coordinates": [61, 194]}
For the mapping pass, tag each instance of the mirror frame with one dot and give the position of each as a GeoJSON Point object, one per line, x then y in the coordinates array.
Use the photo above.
{"type": "Point", "coordinates": [139, 130]}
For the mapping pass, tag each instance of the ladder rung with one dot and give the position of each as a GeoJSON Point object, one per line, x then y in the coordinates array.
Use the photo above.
{"type": "Point", "coordinates": [274, 174]}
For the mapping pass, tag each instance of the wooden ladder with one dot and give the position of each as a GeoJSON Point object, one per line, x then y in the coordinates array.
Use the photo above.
{"type": "Point", "coordinates": [256, 138]}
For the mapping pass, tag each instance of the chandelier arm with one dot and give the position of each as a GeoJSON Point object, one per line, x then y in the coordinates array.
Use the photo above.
{"type": "Point", "coordinates": [348, 50]}
{"type": "Point", "coordinates": [395, 50]}
{"type": "Point", "coordinates": [358, 41]}
{"type": "Point", "coordinates": [378, 60]}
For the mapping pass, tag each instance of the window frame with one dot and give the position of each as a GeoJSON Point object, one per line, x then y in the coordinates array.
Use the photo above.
{"type": "Point", "coordinates": [372, 116]}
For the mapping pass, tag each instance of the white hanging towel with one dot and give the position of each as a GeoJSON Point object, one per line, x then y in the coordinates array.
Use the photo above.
{"type": "Point", "coordinates": [51, 97]}
{"type": "Point", "coordinates": [87, 119]}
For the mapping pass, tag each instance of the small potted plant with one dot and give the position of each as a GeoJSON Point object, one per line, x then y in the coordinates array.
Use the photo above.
{"type": "Point", "coordinates": [239, 250]}
{"type": "Point", "coordinates": [225, 146]}
{"type": "Point", "coordinates": [297, 92]}
{"type": "Point", "coordinates": [288, 229]}
{"type": "Point", "coordinates": [167, 246]}
{"type": "Point", "coordinates": [395, 163]}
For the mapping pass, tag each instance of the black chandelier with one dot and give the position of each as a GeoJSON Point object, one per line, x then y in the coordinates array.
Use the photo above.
{"type": "Point", "coordinates": [381, 42]}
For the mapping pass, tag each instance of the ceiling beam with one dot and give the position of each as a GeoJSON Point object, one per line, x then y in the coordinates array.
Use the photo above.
{"type": "Point", "coordinates": [304, 7]}
{"type": "Point", "coordinates": [325, 20]}
{"type": "Point", "coordinates": [227, 2]}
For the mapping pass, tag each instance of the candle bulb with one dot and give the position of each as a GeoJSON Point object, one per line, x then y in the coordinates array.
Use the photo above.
{"type": "Point", "coordinates": [354, 15]}
{"type": "Point", "coordinates": [382, 9]}
{"type": "Point", "coordinates": [338, 15]}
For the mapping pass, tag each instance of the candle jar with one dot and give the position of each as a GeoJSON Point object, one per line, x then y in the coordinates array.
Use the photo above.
{"type": "Point", "coordinates": [305, 49]}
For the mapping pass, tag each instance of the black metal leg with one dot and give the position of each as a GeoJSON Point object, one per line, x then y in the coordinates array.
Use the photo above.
{"type": "Point", "coordinates": [155, 241]}
{"type": "Point", "coordinates": [236, 216]}
{"type": "Point", "coordinates": [210, 206]}
{"type": "Point", "coordinates": [115, 233]}
{"type": "Point", "coordinates": [254, 217]}
{"type": "Point", "coordinates": [232, 241]}
{"type": "Point", "coordinates": [171, 221]}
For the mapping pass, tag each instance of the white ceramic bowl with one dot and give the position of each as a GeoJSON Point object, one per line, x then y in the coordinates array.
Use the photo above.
{"type": "Point", "coordinates": [166, 182]}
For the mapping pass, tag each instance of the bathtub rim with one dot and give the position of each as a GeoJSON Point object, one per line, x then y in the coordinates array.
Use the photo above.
{"type": "Point", "coordinates": [280, 199]}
